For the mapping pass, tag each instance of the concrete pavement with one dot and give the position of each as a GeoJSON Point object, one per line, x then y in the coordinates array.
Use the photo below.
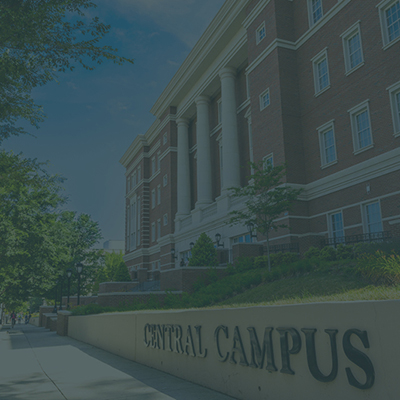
{"type": "Point", "coordinates": [36, 364]}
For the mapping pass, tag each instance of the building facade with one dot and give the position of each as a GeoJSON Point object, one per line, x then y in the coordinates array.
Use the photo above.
{"type": "Point", "coordinates": [314, 84]}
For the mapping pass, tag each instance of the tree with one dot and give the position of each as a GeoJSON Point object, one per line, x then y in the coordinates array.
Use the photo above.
{"type": "Point", "coordinates": [38, 39]}
{"type": "Point", "coordinates": [75, 235]}
{"type": "Point", "coordinates": [121, 273]}
{"type": "Point", "coordinates": [114, 270]}
{"type": "Point", "coordinates": [267, 198]}
{"type": "Point", "coordinates": [37, 242]}
{"type": "Point", "coordinates": [29, 197]}
{"type": "Point", "coordinates": [203, 253]}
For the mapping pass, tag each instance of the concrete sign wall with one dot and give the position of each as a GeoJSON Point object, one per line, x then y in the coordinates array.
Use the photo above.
{"type": "Point", "coordinates": [324, 351]}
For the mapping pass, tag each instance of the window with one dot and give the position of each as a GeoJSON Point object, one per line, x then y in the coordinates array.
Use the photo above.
{"type": "Point", "coordinates": [336, 226]}
{"type": "Point", "coordinates": [159, 194]}
{"type": "Point", "coordinates": [315, 11]}
{"type": "Point", "coordinates": [327, 144]}
{"type": "Point", "coordinates": [133, 178]}
{"type": "Point", "coordinates": [268, 161]}
{"type": "Point", "coordinates": [165, 138]}
{"type": "Point", "coordinates": [153, 165]}
{"type": "Point", "coordinates": [159, 228]}
{"type": "Point", "coordinates": [139, 173]}
{"type": "Point", "coordinates": [153, 198]}
{"type": "Point", "coordinates": [389, 11]}
{"type": "Point", "coordinates": [260, 33]}
{"type": "Point", "coordinates": [165, 219]}
{"type": "Point", "coordinates": [264, 99]}
{"type": "Point", "coordinates": [221, 164]}
{"type": "Point", "coordinates": [132, 228]}
{"type": "Point", "coordinates": [361, 127]}
{"type": "Point", "coordinates": [165, 180]}
{"type": "Point", "coordinates": [138, 221]}
{"type": "Point", "coordinates": [394, 93]}
{"type": "Point", "coordinates": [321, 72]}
{"type": "Point", "coordinates": [153, 232]}
{"type": "Point", "coordinates": [128, 184]}
{"type": "Point", "coordinates": [219, 110]}
{"type": "Point", "coordinates": [373, 220]}
{"type": "Point", "coordinates": [158, 160]}
{"type": "Point", "coordinates": [352, 47]}
{"type": "Point", "coordinates": [242, 239]}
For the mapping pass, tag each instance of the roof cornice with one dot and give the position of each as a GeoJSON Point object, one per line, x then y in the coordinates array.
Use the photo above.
{"type": "Point", "coordinates": [213, 35]}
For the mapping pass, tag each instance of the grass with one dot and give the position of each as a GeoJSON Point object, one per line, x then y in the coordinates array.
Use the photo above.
{"type": "Point", "coordinates": [317, 287]}
{"type": "Point", "coordinates": [302, 281]}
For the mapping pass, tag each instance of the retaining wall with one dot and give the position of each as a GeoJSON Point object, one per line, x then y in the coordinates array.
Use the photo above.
{"type": "Point", "coordinates": [330, 351]}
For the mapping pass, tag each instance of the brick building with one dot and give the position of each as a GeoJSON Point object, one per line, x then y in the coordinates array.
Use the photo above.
{"type": "Point", "coordinates": [311, 83]}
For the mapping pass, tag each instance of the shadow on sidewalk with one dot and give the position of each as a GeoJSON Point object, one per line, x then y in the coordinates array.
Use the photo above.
{"type": "Point", "coordinates": [33, 337]}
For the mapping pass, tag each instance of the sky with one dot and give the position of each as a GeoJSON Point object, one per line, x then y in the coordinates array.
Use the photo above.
{"type": "Point", "coordinates": [93, 116]}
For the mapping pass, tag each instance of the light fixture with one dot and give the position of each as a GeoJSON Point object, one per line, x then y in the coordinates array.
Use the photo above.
{"type": "Point", "coordinates": [218, 238]}
{"type": "Point", "coordinates": [250, 227]}
{"type": "Point", "coordinates": [173, 253]}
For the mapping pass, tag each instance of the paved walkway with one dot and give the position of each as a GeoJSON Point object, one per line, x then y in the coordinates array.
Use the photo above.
{"type": "Point", "coordinates": [36, 364]}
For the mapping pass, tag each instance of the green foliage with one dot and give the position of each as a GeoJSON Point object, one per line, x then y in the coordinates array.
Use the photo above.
{"type": "Point", "coordinates": [344, 252]}
{"type": "Point", "coordinates": [267, 198]}
{"type": "Point", "coordinates": [203, 253]}
{"type": "Point", "coordinates": [37, 42]}
{"type": "Point", "coordinates": [380, 268]}
{"type": "Point", "coordinates": [312, 252]}
{"type": "Point", "coordinates": [37, 243]}
{"type": "Point", "coordinates": [387, 247]}
{"type": "Point", "coordinates": [122, 274]}
{"type": "Point", "coordinates": [29, 244]}
{"type": "Point", "coordinates": [329, 253]}
{"type": "Point", "coordinates": [34, 304]}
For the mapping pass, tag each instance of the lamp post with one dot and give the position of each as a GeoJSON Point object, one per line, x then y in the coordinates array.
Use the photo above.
{"type": "Point", "coordinates": [55, 300]}
{"type": "Point", "coordinates": [250, 227]}
{"type": "Point", "coordinates": [69, 274]}
{"type": "Point", "coordinates": [79, 269]}
{"type": "Point", "coordinates": [61, 279]}
{"type": "Point", "coordinates": [218, 239]}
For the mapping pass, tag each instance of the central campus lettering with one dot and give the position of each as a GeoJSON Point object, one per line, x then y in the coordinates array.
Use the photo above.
{"type": "Point", "coordinates": [170, 338]}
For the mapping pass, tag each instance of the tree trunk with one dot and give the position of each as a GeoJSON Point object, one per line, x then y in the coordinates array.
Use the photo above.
{"type": "Point", "coordinates": [269, 259]}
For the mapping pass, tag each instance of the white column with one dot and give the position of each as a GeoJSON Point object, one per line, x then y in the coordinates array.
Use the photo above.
{"type": "Point", "coordinates": [204, 183]}
{"type": "Point", "coordinates": [183, 177]}
{"type": "Point", "coordinates": [230, 139]}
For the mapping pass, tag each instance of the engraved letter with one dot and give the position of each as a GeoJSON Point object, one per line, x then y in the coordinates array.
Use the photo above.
{"type": "Point", "coordinates": [258, 355]}
{"type": "Point", "coordinates": [178, 339]}
{"type": "Point", "coordinates": [216, 338]}
{"type": "Point", "coordinates": [237, 340]}
{"type": "Point", "coordinates": [198, 333]}
{"type": "Point", "coordinates": [312, 358]}
{"type": "Point", "coordinates": [358, 358]}
{"type": "Point", "coordinates": [146, 342]}
{"type": "Point", "coordinates": [285, 352]}
{"type": "Point", "coordinates": [189, 345]}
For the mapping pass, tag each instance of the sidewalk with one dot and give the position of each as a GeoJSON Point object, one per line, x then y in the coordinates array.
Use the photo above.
{"type": "Point", "coordinates": [37, 364]}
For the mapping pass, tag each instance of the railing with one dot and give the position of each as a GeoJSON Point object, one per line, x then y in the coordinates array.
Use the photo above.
{"type": "Point", "coordinates": [282, 248]}
{"type": "Point", "coordinates": [147, 286]}
{"type": "Point", "coordinates": [361, 238]}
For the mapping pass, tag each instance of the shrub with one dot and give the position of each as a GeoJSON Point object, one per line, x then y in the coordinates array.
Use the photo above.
{"type": "Point", "coordinates": [327, 253]}
{"type": "Point", "coordinates": [380, 268]}
{"type": "Point", "coordinates": [283, 258]}
{"type": "Point", "coordinates": [244, 264]}
{"type": "Point", "coordinates": [312, 252]}
{"type": "Point", "coordinates": [203, 253]}
{"type": "Point", "coordinates": [344, 252]}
